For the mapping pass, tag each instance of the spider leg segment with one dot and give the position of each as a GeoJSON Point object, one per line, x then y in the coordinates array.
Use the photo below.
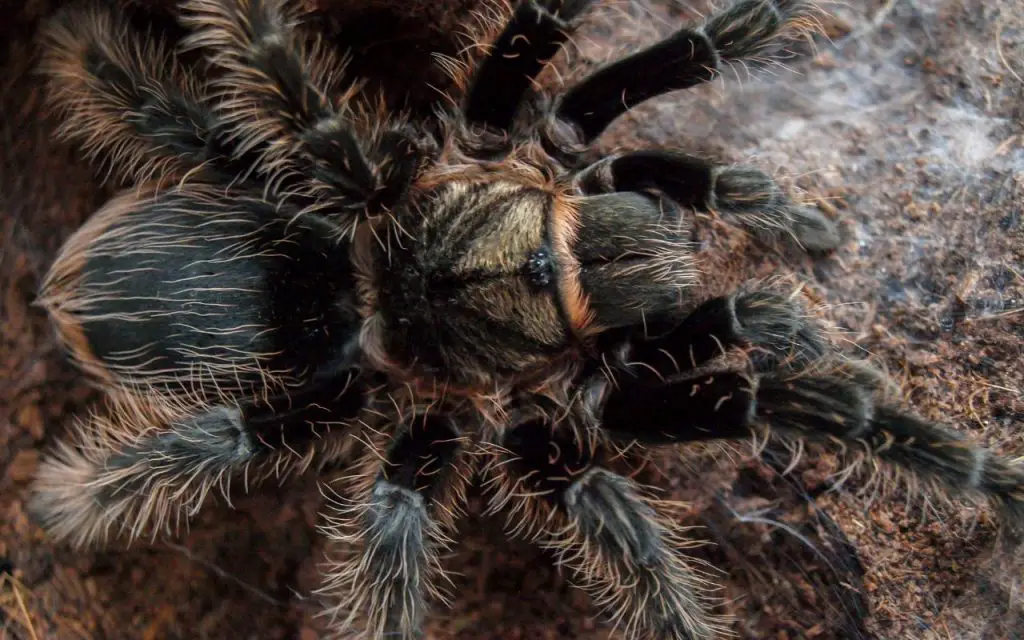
{"type": "Point", "coordinates": [746, 32]}
{"type": "Point", "coordinates": [744, 193]}
{"type": "Point", "coordinates": [535, 33]}
{"type": "Point", "coordinates": [128, 100]}
{"type": "Point", "coordinates": [278, 92]}
{"type": "Point", "coordinates": [145, 467]}
{"type": "Point", "coordinates": [390, 526]}
{"type": "Point", "coordinates": [620, 549]}
{"type": "Point", "coordinates": [768, 324]}
{"type": "Point", "coordinates": [816, 399]}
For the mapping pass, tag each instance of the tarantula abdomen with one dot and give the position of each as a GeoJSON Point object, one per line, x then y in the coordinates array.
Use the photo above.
{"type": "Point", "coordinates": [193, 292]}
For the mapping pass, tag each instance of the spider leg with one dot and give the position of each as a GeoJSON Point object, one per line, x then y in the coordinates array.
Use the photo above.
{"type": "Point", "coordinates": [744, 193]}
{"type": "Point", "coordinates": [746, 32]}
{"type": "Point", "coordinates": [534, 35]}
{"type": "Point", "coordinates": [146, 467]}
{"type": "Point", "coordinates": [278, 93]}
{"type": "Point", "coordinates": [391, 525]}
{"type": "Point", "coordinates": [769, 325]}
{"type": "Point", "coordinates": [128, 100]}
{"type": "Point", "coordinates": [628, 557]}
{"type": "Point", "coordinates": [842, 403]}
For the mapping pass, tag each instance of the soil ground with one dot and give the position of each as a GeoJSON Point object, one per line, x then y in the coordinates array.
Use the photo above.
{"type": "Point", "coordinates": [907, 124]}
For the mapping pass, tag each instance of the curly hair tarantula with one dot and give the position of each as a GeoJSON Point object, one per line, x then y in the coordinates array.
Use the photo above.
{"type": "Point", "coordinates": [299, 277]}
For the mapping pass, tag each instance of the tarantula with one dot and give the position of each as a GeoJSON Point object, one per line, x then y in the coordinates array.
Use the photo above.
{"type": "Point", "coordinates": [299, 277]}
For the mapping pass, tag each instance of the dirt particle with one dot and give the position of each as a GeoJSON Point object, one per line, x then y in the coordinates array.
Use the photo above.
{"type": "Point", "coordinates": [23, 468]}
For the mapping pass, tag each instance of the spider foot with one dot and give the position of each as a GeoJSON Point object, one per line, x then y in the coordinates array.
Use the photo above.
{"type": "Point", "coordinates": [758, 203]}
{"type": "Point", "coordinates": [126, 98]}
{"type": "Point", "coordinates": [145, 465]}
{"type": "Point", "coordinates": [751, 28]}
{"type": "Point", "coordinates": [828, 401]}
{"type": "Point", "coordinates": [750, 32]}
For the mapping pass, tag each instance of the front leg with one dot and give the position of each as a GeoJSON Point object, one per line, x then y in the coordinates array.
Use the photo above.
{"type": "Point", "coordinates": [532, 37]}
{"type": "Point", "coordinates": [652, 394]}
{"type": "Point", "coordinates": [750, 196]}
{"type": "Point", "coordinates": [768, 325]}
{"type": "Point", "coordinates": [747, 32]}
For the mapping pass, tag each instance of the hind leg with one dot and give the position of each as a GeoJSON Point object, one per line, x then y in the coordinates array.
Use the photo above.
{"type": "Point", "coordinates": [144, 467]}
{"type": "Point", "coordinates": [618, 545]}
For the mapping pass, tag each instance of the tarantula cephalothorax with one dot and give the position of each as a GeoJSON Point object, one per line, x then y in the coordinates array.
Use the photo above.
{"type": "Point", "coordinates": [300, 277]}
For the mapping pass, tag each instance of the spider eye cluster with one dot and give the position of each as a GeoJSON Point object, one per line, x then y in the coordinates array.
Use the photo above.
{"type": "Point", "coordinates": [539, 267]}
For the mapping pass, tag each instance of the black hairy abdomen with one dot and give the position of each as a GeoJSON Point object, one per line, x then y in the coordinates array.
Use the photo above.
{"type": "Point", "coordinates": [196, 291]}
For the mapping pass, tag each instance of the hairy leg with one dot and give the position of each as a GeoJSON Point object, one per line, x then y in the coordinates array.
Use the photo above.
{"type": "Point", "coordinates": [390, 524]}
{"type": "Point", "coordinates": [598, 524]}
{"type": "Point", "coordinates": [128, 100]}
{"type": "Point", "coordinates": [535, 33]}
{"type": "Point", "coordinates": [826, 401]}
{"type": "Point", "coordinates": [749, 31]}
{"type": "Point", "coordinates": [769, 326]}
{"type": "Point", "coordinates": [290, 100]}
{"type": "Point", "coordinates": [746, 194]}
{"type": "Point", "coordinates": [145, 467]}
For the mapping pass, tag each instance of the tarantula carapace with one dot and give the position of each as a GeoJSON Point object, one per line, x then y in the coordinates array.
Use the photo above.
{"type": "Point", "coordinates": [300, 277]}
